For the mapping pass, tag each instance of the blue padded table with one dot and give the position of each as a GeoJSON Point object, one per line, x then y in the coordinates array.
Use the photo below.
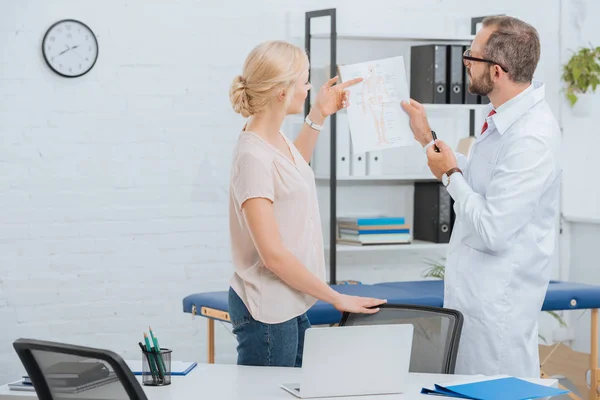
{"type": "Point", "coordinates": [559, 296]}
{"type": "Point", "coordinates": [214, 305]}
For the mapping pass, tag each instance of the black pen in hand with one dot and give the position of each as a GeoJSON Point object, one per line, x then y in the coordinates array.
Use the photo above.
{"type": "Point", "coordinates": [435, 148]}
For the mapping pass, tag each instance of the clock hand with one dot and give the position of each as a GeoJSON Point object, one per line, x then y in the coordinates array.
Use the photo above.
{"type": "Point", "coordinates": [64, 51]}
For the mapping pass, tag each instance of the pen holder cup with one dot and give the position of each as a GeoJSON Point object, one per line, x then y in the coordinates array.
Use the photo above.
{"type": "Point", "coordinates": [156, 368]}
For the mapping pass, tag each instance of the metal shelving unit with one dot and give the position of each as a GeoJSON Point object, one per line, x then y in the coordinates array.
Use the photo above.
{"type": "Point", "coordinates": [333, 179]}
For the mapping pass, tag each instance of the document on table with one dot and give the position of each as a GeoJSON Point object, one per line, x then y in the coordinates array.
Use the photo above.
{"type": "Point", "coordinates": [376, 118]}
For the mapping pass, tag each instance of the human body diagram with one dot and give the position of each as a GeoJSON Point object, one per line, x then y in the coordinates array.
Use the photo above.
{"type": "Point", "coordinates": [374, 98]}
{"type": "Point", "coordinates": [375, 103]}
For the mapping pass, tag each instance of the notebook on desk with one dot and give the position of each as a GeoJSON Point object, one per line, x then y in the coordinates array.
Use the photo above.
{"type": "Point", "coordinates": [502, 388]}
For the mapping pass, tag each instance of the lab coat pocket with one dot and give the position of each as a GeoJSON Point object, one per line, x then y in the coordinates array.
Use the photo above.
{"type": "Point", "coordinates": [488, 276]}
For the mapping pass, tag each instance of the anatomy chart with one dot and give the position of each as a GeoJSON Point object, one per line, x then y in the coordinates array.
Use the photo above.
{"type": "Point", "coordinates": [376, 118]}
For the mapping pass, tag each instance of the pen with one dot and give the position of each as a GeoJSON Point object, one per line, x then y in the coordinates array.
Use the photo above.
{"type": "Point", "coordinates": [150, 358]}
{"type": "Point", "coordinates": [157, 349]}
{"type": "Point", "coordinates": [437, 149]}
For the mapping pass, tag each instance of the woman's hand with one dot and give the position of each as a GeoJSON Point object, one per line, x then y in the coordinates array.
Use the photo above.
{"type": "Point", "coordinates": [355, 304]}
{"type": "Point", "coordinates": [332, 99]}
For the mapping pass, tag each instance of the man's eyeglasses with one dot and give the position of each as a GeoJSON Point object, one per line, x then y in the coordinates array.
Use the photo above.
{"type": "Point", "coordinates": [467, 57]}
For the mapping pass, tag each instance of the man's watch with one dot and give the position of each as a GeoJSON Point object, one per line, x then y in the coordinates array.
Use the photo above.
{"type": "Point", "coordinates": [446, 175]}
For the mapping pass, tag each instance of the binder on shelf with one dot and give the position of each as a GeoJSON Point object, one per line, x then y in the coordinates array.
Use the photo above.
{"type": "Point", "coordinates": [428, 77]}
{"type": "Point", "coordinates": [469, 98]}
{"type": "Point", "coordinates": [342, 144]}
{"type": "Point", "coordinates": [433, 212]}
{"type": "Point", "coordinates": [358, 163]}
{"type": "Point", "coordinates": [374, 163]}
{"type": "Point", "coordinates": [455, 74]}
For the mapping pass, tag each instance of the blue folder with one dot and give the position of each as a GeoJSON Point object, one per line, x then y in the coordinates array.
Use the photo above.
{"type": "Point", "coordinates": [496, 389]}
{"type": "Point", "coordinates": [178, 368]}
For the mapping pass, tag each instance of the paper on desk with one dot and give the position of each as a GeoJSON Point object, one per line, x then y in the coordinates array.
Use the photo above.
{"type": "Point", "coordinates": [376, 118]}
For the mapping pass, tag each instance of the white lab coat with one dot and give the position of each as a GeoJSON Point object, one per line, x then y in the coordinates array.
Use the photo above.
{"type": "Point", "coordinates": [499, 259]}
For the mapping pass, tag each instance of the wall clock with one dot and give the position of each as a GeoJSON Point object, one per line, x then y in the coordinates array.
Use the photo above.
{"type": "Point", "coordinates": [70, 48]}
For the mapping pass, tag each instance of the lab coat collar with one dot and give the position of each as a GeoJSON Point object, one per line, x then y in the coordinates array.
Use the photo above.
{"type": "Point", "coordinates": [512, 110]}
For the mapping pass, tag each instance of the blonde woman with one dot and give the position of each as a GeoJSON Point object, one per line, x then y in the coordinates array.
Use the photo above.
{"type": "Point", "coordinates": [275, 227]}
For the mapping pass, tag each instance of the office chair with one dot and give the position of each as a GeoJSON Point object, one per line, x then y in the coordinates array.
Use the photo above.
{"type": "Point", "coordinates": [436, 333]}
{"type": "Point", "coordinates": [56, 368]}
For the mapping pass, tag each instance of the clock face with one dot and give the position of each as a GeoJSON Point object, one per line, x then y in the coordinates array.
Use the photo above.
{"type": "Point", "coordinates": [70, 48]}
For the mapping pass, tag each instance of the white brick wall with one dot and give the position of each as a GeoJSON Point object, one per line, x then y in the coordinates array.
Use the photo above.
{"type": "Point", "coordinates": [113, 186]}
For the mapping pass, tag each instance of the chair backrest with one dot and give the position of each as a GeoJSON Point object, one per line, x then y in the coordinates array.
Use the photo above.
{"type": "Point", "coordinates": [436, 333]}
{"type": "Point", "coordinates": [58, 370]}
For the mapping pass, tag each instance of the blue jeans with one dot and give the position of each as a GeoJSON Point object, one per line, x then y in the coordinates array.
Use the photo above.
{"type": "Point", "coordinates": [260, 344]}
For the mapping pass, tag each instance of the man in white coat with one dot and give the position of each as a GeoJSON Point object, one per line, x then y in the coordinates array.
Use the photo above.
{"type": "Point", "coordinates": [506, 202]}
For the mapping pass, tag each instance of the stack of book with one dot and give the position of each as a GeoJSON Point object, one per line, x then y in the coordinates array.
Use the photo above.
{"type": "Point", "coordinates": [375, 230]}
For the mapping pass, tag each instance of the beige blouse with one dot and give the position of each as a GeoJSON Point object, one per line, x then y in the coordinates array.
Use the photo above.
{"type": "Point", "coordinates": [261, 170]}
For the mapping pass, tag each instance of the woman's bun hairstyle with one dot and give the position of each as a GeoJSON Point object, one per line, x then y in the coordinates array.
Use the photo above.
{"type": "Point", "coordinates": [270, 67]}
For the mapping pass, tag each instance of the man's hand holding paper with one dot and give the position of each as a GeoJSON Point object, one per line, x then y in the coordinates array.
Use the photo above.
{"type": "Point", "coordinates": [376, 119]}
{"type": "Point", "coordinates": [418, 121]}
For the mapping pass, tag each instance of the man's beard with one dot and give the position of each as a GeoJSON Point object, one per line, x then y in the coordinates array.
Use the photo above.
{"type": "Point", "coordinates": [482, 86]}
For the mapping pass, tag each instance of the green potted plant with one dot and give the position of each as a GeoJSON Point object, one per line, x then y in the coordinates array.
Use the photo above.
{"type": "Point", "coordinates": [581, 73]}
{"type": "Point", "coordinates": [437, 270]}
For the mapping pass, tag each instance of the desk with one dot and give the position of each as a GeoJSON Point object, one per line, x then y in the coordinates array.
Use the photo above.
{"type": "Point", "coordinates": [233, 382]}
{"type": "Point", "coordinates": [559, 296]}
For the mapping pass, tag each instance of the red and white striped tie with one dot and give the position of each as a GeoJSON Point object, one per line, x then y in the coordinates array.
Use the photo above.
{"type": "Point", "coordinates": [485, 125]}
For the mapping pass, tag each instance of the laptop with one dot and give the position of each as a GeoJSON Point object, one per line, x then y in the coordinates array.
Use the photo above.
{"type": "Point", "coordinates": [354, 361]}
